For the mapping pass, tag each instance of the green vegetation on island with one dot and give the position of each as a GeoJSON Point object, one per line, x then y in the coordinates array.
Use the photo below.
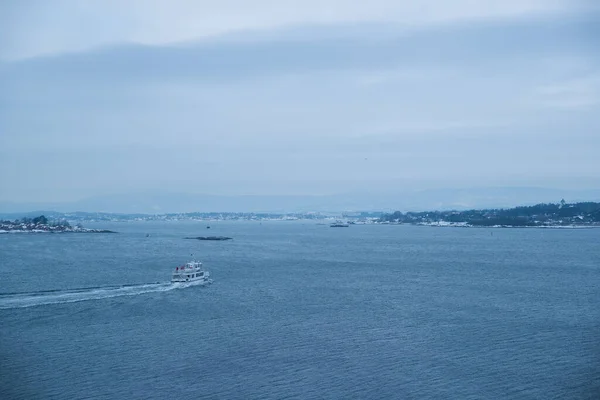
{"type": "Point", "coordinates": [540, 215]}
{"type": "Point", "coordinates": [42, 224]}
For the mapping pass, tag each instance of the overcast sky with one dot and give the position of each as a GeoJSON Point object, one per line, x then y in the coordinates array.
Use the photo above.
{"type": "Point", "coordinates": [296, 97]}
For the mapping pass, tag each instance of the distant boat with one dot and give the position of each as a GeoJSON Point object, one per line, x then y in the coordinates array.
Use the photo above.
{"type": "Point", "coordinates": [207, 226]}
{"type": "Point", "coordinates": [147, 235]}
{"type": "Point", "coordinates": [339, 224]}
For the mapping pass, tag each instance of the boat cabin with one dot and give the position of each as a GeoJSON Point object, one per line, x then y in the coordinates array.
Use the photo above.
{"type": "Point", "coordinates": [189, 272]}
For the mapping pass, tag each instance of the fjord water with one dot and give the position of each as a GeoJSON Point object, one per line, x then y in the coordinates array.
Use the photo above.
{"type": "Point", "coordinates": [300, 310]}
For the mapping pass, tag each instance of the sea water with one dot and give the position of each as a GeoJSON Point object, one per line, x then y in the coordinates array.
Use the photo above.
{"type": "Point", "coordinates": [300, 310]}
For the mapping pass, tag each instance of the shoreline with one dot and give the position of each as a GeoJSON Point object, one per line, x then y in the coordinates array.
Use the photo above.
{"type": "Point", "coordinates": [433, 225]}
{"type": "Point", "coordinates": [17, 231]}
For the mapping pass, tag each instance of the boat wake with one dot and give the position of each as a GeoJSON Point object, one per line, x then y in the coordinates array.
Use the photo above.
{"type": "Point", "coordinates": [45, 297]}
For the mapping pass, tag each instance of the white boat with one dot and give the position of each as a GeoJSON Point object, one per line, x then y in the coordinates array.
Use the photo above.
{"type": "Point", "coordinates": [191, 272]}
{"type": "Point", "coordinates": [339, 224]}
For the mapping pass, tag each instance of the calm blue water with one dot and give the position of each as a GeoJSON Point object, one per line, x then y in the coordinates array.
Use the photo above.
{"type": "Point", "coordinates": [299, 310]}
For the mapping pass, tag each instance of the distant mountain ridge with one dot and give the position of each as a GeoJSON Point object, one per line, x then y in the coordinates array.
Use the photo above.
{"type": "Point", "coordinates": [385, 200]}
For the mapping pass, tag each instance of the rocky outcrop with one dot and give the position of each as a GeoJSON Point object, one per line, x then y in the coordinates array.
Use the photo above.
{"type": "Point", "coordinates": [210, 238]}
{"type": "Point", "coordinates": [42, 225]}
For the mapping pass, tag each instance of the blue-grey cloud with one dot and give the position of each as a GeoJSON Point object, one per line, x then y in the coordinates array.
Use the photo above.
{"type": "Point", "coordinates": [32, 27]}
{"type": "Point", "coordinates": [293, 111]}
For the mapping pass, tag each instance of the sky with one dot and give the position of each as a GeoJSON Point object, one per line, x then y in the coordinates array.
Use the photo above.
{"type": "Point", "coordinates": [296, 97]}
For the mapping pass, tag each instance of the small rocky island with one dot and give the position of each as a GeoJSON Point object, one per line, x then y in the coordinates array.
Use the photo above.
{"type": "Point", "coordinates": [210, 238]}
{"type": "Point", "coordinates": [42, 224]}
{"type": "Point", "coordinates": [559, 215]}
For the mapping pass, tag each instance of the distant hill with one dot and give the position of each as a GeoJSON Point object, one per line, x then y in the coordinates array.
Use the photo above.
{"type": "Point", "coordinates": [387, 199]}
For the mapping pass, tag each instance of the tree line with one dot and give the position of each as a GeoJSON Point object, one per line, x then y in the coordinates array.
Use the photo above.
{"type": "Point", "coordinates": [539, 214]}
{"type": "Point", "coordinates": [41, 220]}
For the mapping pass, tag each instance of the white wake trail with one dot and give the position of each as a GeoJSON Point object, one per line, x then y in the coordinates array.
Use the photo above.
{"type": "Point", "coordinates": [32, 299]}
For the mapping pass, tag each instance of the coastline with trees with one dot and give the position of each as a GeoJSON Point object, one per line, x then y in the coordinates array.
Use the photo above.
{"type": "Point", "coordinates": [546, 215]}
{"type": "Point", "coordinates": [42, 224]}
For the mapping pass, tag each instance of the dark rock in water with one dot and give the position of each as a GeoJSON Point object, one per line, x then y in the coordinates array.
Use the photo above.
{"type": "Point", "coordinates": [210, 238]}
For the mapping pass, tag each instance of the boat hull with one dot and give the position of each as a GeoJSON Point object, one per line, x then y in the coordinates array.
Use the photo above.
{"type": "Point", "coordinates": [191, 280]}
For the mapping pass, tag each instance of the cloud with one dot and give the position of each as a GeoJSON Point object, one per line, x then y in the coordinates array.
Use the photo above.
{"type": "Point", "coordinates": [579, 93]}
{"type": "Point", "coordinates": [31, 28]}
{"type": "Point", "coordinates": [432, 82]}
{"type": "Point", "coordinates": [295, 108]}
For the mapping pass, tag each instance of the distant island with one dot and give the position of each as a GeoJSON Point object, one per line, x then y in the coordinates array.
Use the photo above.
{"type": "Point", "coordinates": [545, 215]}
{"type": "Point", "coordinates": [42, 224]}
{"type": "Point", "coordinates": [195, 216]}
{"type": "Point", "coordinates": [586, 214]}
